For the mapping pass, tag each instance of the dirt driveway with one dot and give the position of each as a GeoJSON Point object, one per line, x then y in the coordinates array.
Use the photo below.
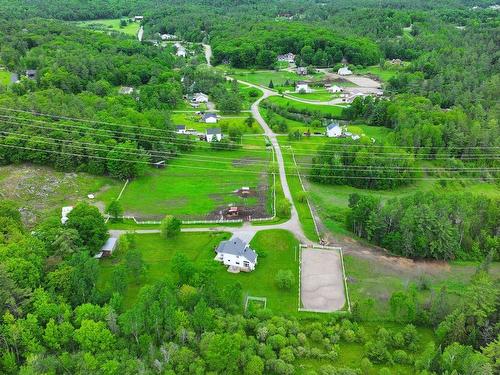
{"type": "Point", "coordinates": [321, 280]}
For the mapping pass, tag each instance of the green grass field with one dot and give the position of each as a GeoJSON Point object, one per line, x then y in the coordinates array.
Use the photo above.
{"type": "Point", "coordinates": [318, 94]}
{"type": "Point", "coordinates": [197, 183]}
{"type": "Point", "coordinates": [110, 24]}
{"type": "Point", "coordinates": [383, 74]}
{"type": "Point", "coordinates": [277, 250]}
{"type": "Point", "coordinates": [263, 77]}
{"type": "Point", "coordinates": [324, 110]}
{"type": "Point", "coordinates": [377, 280]}
{"type": "Point", "coordinates": [4, 78]}
{"type": "Point", "coordinates": [192, 121]}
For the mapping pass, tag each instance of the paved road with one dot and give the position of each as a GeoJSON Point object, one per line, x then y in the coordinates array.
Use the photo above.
{"type": "Point", "coordinates": [140, 33]}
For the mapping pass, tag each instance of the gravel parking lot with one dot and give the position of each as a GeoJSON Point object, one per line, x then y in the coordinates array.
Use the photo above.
{"type": "Point", "coordinates": [322, 285]}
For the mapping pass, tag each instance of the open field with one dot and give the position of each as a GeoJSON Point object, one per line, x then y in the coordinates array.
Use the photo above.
{"type": "Point", "coordinates": [199, 184]}
{"type": "Point", "coordinates": [110, 24]}
{"type": "Point", "coordinates": [40, 191]}
{"type": "Point", "coordinates": [4, 78]}
{"type": "Point", "coordinates": [192, 121]}
{"type": "Point", "coordinates": [383, 74]}
{"type": "Point", "coordinates": [277, 250]}
{"type": "Point", "coordinates": [378, 279]}
{"type": "Point", "coordinates": [323, 110]}
{"type": "Point", "coordinates": [317, 94]}
{"type": "Point", "coordinates": [279, 78]}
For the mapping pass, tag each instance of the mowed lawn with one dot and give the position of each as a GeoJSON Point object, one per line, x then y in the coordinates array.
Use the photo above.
{"type": "Point", "coordinates": [279, 78]}
{"type": "Point", "coordinates": [277, 250]}
{"type": "Point", "coordinates": [381, 73]}
{"type": "Point", "coordinates": [111, 24]}
{"type": "Point", "coordinates": [225, 122]}
{"type": "Point", "coordinates": [334, 111]}
{"type": "Point", "coordinates": [195, 184]}
{"type": "Point", "coordinates": [4, 78]}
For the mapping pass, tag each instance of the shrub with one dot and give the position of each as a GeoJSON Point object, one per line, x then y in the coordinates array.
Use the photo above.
{"type": "Point", "coordinates": [170, 226]}
{"type": "Point", "coordinates": [283, 208]}
{"type": "Point", "coordinates": [285, 279]}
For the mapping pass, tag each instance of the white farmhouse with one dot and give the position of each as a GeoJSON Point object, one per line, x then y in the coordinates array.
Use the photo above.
{"type": "Point", "coordinates": [200, 97]}
{"type": "Point", "coordinates": [213, 134]}
{"type": "Point", "coordinates": [303, 87]}
{"type": "Point", "coordinates": [344, 71]}
{"type": "Point", "coordinates": [334, 89]}
{"type": "Point", "coordinates": [209, 118]}
{"type": "Point", "coordinates": [288, 57]}
{"type": "Point", "coordinates": [333, 130]}
{"type": "Point", "coordinates": [237, 255]}
{"type": "Point", "coordinates": [64, 213]}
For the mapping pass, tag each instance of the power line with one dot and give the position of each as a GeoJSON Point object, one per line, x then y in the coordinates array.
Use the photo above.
{"type": "Point", "coordinates": [176, 142]}
{"type": "Point", "coordinates": [370, 168]}
{"type": "Point", "coordinates": [142, 128]}
{"type": "Point", "coordinates": [246, 172]}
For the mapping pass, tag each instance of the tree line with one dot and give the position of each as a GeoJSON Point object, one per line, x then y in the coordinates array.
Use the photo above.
{"type": "Point", "coordinates": [429, 224]}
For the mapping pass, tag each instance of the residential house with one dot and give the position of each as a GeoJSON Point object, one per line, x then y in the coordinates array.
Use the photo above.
{"type": "Point", "coordinates": [303, 87]}
{"type": "Point", "coordinates": [233, 211]}
{"type": "Point", "coordinates": [213, 134]}
{"type": "Point", "coordinates": [344, 71]}
{"type": "Point", "coordinates": [108, 248]}
{"type": "Point", "coordinates": [126, 90]}
{"type": "Point", "coordinates": [334, 89]}
{"type": "Point", "coordinates": [200, 97]}
{"type": "Point", "coordinates": [236, 254]}
{"type": "Point", "coordinates": [181, 52]}
{"type": "Point", "coordinates": [287, 57]}
{"type": "Point", "coordinates": [138, 18]}
{"type": "Point", "coordinates": [64, 213]}
{"type": "Point", "coordinates": [301, 71]}
{"type": "Point", "coordinates": [31, 74]}
{"type": "Point", "coordinates": [180, 129]}
{"type": "Point", "coordinates": [209, 118]}
{"type": "Point", "coordinates": [167, 37]}
{"type": "Point", "coordinates": [333, 130]}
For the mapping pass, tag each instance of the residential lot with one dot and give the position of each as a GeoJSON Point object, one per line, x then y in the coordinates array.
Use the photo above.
{"type": "Point", "coordinates": [276, 249]}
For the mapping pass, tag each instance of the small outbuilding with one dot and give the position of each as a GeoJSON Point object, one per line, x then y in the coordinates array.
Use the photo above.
{"type": "Point", "coordinates": [213, 134]}
{"type": "Point", "coordinates": [236, 254]}
{"type": "Point", "coordinates": [126, 90]}
{"type": "Point", "coordinates": [180, 129]}
{"type": "Point", "coordinates": [301, 71]}
{"type": "Point", "coordinates": [31, 74]}
{"type": "Point", "coordinates": [64, 213]}
{"type": "Point", "coordinates": [108, 248]}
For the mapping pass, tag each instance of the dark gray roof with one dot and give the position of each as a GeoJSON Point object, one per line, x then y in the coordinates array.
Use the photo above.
{"type": "Point", "coordinates": [237, 247]}
{"type": "Point", "coordinates": [333, 125]}
{"type": "Point", "coordinates": [214, 131]}
{"type": "Point", "coordinates": [30, 72]}
{"type": "Point", "coordinates": [180, 127]}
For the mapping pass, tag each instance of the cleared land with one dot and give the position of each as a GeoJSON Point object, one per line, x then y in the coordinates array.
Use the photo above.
{"type": "Point", "coordinates": [277, 250]}
{"type": "Point", "coordinates": [42, 190]}
{"type": "Point", "coordinates": [197, 185]}
{"type": "Point", "coordinates": [110, 24]}
{"type": "Point", "coordinates": [381, 73]}
{"type": "Point", "coordinates": [322, 284]}
{"type": "Point", "coordinates": [4, 78]}
{"type": "Point", "coordinates": [279, 78]}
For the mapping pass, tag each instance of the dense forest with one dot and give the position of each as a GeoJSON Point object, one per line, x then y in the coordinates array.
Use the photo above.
{"type": "Point", "coordinates": [55, 319]}
{"type": "Point", "coordinates": [429, 225]}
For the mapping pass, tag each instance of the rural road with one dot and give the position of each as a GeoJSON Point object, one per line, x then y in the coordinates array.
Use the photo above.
{"type": "Point", "coordinates": [208, 53]}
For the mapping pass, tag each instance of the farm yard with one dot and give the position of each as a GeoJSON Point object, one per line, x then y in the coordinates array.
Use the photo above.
{"type": "Point", "coordinates": [201, 184]}
{"type": "Point", "coordinates": [276, 249]}
{"type": "Point", "coordinates": [5, 77]}
{"type": "Point", "coordinates": [225, 122]}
